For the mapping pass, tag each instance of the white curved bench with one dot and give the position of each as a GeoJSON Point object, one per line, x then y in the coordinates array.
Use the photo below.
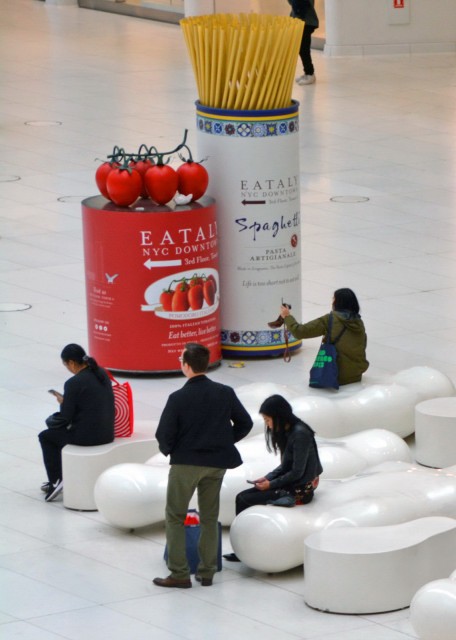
{"type": "Point", "coordinates": [390, 493]}
{"type": "Point", "coordinates": [433, 610]}
{"type": "Point", "coordinates": [81, 466]}
{"type": "Point", "coordinates": [387, 403]}
{"type": "Point", "coordinates": [133, 495]}
{"type": "Point", "coordinates": [360, 570]}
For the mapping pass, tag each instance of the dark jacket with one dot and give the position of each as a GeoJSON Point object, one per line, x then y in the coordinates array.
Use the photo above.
{"type": "Point", "coordinates": [200, 424]}
{"type": "Point", "coordinates": [304, 10]}
{"type": "Point", "coordinates": [300, 461]}
{"type": "Point", "coordinates": [88, 406]}
{"type": "Point", "coordinates": [351, 348]}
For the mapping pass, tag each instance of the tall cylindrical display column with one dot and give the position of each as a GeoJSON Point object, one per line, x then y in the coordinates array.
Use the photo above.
{"type": "Point", "coordinates": [253, 163]}
{"type": "Point", "coordinates": [152, 283]}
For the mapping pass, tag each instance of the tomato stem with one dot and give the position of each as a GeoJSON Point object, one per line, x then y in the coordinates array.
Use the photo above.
{"type": "Point", "coordinates": [119, 155]}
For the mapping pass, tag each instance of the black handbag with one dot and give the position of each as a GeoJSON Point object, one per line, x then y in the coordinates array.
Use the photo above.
{"type": "Point", "coordinates": [57, 421]}
{"type": "Point", "coordinates": [324, 373]}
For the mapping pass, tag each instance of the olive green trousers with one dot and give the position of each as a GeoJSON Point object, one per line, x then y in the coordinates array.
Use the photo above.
{"type": "Point", "coordinates": [183, 481]}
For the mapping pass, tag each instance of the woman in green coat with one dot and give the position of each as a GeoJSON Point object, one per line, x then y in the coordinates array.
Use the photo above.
{"type": "Point", "coordinates": [351, 346]}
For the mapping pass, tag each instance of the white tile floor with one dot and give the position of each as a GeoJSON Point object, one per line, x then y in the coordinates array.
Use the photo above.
{"type": "Point", "coordinates": [380, 127]}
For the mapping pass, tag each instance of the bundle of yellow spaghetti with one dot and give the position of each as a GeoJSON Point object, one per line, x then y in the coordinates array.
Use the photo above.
{"type": "Point", "coordinates": [244, 61]}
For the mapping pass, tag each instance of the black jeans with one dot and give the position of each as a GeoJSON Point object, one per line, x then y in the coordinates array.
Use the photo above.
{"type": "Point", "coordinates": [52, 442]}
{"type": "Point", "coordinates": [304, 50]}
{"type": "Point", "coordinates": [253, 496]}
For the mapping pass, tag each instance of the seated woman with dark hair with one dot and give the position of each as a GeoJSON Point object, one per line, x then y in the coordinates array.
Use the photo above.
{"type": "Point", "coordinates": [347, 329]}
{"type": "Point", "coordinates": [86, 415]}
{"type": "Point", "coordinates": [296, 478]}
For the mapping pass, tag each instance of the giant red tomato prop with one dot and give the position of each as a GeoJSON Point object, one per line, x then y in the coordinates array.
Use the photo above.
{"type": "Point", "coordinates": [123, 186]}
{"type": "Point", "coordinates": [161, 183]}
{"type": "Point", "coordinates": [101, 175]}
{"type": "Point", "coordinates": [193, 179]}
{"type": "Point", "coordinates": [142, 166]}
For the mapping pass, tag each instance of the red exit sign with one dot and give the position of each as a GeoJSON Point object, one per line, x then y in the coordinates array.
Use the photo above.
{"type": "Point", "coordinates": [398, 4]}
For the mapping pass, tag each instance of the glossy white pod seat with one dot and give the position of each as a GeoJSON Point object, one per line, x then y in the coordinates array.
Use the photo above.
{"type": "Point", "coordinates": [360, 570]}
{"type": "Point", "coordinates": [435, 432]}
{"type": "Point", "coordinates": [389, 493]}
{"type": "Point", "coordinates": [386, 403]}
{"type": "Point", "coordinates": [133, 495]}
{"type": "Point", "coordinates": [433, 610]}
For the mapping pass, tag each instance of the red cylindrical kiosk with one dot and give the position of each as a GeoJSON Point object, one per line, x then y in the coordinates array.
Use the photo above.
{"type": "Point", "coordinates": [152, 283]}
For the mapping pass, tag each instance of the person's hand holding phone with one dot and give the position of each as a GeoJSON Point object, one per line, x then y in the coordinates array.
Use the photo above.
{"type": "Point", "coordinates": [262, 484]}
{"type": "Point", "coordinates": [257, 481]}
{"type": "Point", "coordinates": [57, 395]}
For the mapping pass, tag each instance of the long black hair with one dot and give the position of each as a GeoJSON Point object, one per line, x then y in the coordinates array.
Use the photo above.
{"type": "Point", "coordinates": [77, 354]}
{"type": "Point", "coordinates": [346, 300]}
{"type": "Point", "coordinates": [283, 418]}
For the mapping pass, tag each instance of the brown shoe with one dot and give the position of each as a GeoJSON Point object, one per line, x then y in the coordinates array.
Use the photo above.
{"type": "Point", "coordinates": [205, 582]}
{"type": "Point", "coordinates": [173, 582]}
{"type": "Point", "coordinates": [275, 324]}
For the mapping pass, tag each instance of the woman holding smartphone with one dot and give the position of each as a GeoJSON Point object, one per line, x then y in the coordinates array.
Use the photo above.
{"type": "Point", "coordinates": [86, 415]}
{"type": "Point", "coordinates": [296, 478]}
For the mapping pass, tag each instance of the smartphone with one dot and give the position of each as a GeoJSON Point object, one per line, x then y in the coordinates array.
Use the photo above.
{"type": "Point", "coordinates": [251, 481]}
{"type": "Point", "coordinates": [54, 392]}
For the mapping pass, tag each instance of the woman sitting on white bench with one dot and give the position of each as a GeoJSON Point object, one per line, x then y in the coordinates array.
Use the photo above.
{"type": "Point", "coordinates": [86, 415]}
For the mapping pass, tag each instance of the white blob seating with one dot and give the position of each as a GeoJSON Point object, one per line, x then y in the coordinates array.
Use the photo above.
{"type": "Point", "coordinates": [389, 493]}
{"type": "Point", "coordinates": [388, 403]}
{"type": "Point", "coordinates": [83, 465]}
{"type": "Point", "coordinates": [435, 432]}
{"type": "Point", "coordinates": [433, 610]}
{"type": "Point", "coordinates": [360, 570]}
{"type": "Point", "coordinates": [133, 495]}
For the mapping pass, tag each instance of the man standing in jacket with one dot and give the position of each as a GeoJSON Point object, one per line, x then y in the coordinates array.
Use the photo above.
{"type": "Point", "coordinates": [198, 428]}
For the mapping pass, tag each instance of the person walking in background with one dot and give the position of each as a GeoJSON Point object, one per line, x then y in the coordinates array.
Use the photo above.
{"type": "Point", "coordinates": [86, 415]}
{"type": "Point", "coordinates": [296, 477]}
{"type": "Point", "coordinates": [198, 429]}
{"type": "Point", "coordinates": [305, 10]}
{"type": "Point", "coordinates": [347, 329]}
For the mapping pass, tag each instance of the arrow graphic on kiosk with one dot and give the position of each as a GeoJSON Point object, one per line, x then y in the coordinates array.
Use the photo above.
{"type": "Point", "coordinates": [150, 264]}
{"type": "Point", "coordinates": [244, 202]}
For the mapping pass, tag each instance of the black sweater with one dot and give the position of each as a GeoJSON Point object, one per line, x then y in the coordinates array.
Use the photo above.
{"type": "Point", "coordinates": [88, 405]}
{"type": "Point", "coordinates": [200, 424]}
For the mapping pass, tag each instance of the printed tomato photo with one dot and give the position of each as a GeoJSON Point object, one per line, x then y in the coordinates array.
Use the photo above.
{"type": "Point", "coordinates": [180, 300]}
{"type": "Point", "coordinates": [209, 292]}
{"type": "Point", "coordinates": [166, 299]}
{"type": "Point", "coordinates": [196, 297]}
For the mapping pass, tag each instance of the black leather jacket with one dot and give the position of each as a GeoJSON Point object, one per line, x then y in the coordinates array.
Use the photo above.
{"type": "Point", "coordinates": [300, 461]}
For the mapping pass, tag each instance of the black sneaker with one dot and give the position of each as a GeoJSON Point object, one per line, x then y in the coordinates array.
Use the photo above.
{"type": "Point", "coordinates": [231, 557]}
{"type": "Point", "coordinates": [45, 487]}
{"type": "Point", "coordinates": [54, 491]}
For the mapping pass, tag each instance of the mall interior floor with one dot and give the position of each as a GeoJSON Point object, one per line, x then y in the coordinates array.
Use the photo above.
{"type": "Point", "coordinates": [379, 131]}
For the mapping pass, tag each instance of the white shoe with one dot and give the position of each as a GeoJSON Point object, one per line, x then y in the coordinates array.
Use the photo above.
{"type": "Point", "coordinates": [302, 80]}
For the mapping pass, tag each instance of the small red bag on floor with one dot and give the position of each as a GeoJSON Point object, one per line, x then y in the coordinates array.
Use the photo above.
{"type": "Point", "coordinates": [123, 405]}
